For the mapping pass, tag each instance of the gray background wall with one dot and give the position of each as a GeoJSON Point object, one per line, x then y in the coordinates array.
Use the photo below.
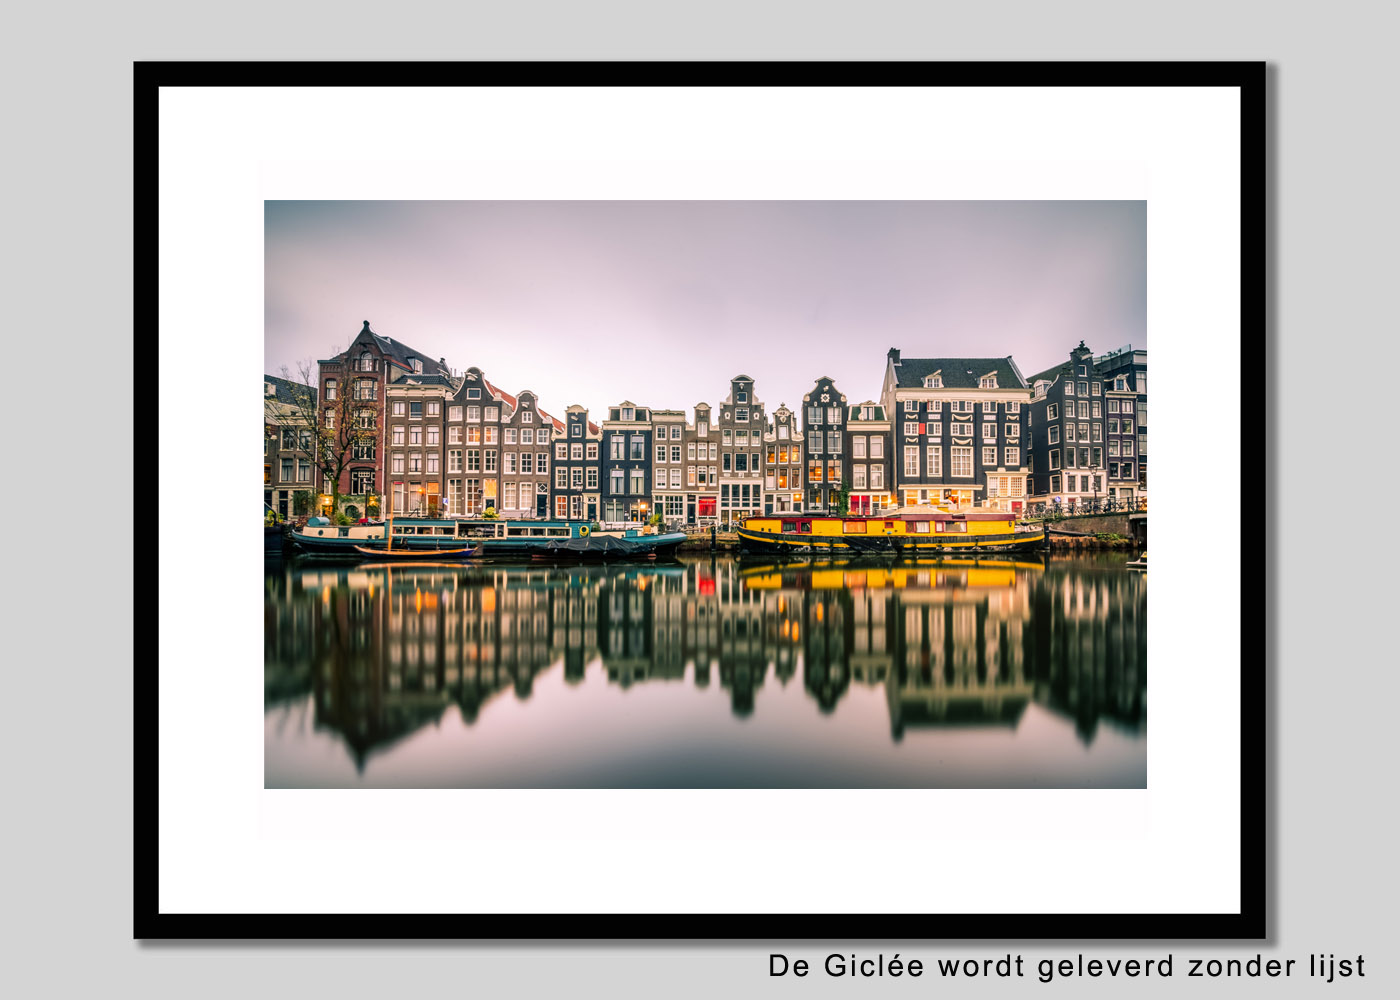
{"type": "Point", "coordinates": [67, 269]}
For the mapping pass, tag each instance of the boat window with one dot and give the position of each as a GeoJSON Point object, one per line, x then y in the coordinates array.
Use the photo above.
{"type": "Point", "coordinates": [344, 532]}
{"type": "Point", "coordinates": [789, 525]}
{"type": "Point", "coordinates": [889, 525]}
{"type": "Point", "coordinates": [806, 528]}
{"type": "Point", "coordinates": [536, 532]}
{"type": "Point", "coordinates": [558, 532]}
{"type": "Point", "coordinates": [921, 527]}
{"type": "Point", "coordinates": [517, 531]}
{"type": "Point", "coordinates": [953, 526]}
{"type": "Point", "coordinates": [853, 527]}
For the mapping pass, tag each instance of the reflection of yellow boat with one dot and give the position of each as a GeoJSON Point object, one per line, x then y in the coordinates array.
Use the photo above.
{"type": "Point", "coordinates": [916, 575]}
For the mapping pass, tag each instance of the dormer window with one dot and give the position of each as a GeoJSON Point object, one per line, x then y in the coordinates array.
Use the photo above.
{"type": "Point", "coordinates": [989, 381]}
{"type": "Point", "coordinates": [416, 365]}
{"type": "Point", "coordinates": [366, 362]}
{"type": "Point", "coordinates": [933, 382]}
{"type": "Point", "coordinates": [627, 413]}
{"type": "Point", "coordinates": [1120, 383]}
{"type": "Point", "coordinates": [269, 389]}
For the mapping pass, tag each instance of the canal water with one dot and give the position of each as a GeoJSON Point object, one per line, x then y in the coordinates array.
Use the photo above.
{"type": "Point", "coordinates": [715, 673]}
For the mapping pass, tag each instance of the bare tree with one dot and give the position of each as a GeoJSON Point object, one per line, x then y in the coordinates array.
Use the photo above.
{"type": "Point", "coordinates": [339, 429]}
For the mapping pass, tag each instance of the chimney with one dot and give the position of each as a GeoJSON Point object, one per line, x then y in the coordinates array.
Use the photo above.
{"type": "Point", "coordinates": [893, 355]}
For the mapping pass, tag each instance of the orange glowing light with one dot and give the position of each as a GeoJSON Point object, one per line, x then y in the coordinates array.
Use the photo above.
{"type": "Point", "coordinates": [418, 600]}
{"type": "Point", "coordinates": [488, 599]}
{"type": "Point", "coordinates": [819, 612]}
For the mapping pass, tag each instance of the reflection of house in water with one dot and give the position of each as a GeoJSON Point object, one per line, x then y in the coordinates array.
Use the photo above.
{"type": "Point", "coordinates": [959, 648]}
{"type": "Point", "coordinates": [658, 622]}
{"type": "Point", "coordinates": [389, 649]}
{"type": "Point", "coordinates": [385, 651]}
{"type": "Point", "coordinates": [1090, 646]}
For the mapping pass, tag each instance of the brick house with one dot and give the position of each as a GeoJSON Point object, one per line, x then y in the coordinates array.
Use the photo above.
{"type": "Point", "coordinates": [364, 370]}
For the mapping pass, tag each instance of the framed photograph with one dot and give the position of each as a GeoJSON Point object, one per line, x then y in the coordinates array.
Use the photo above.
{"type": "Point", "coordinates": [702, 501]}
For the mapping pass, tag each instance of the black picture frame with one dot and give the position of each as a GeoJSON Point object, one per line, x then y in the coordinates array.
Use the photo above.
{"type": "Point", "coordinates": [1249, 922]}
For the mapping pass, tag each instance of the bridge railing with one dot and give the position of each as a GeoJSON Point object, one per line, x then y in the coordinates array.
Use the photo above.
{"type": "Point", "coordinates": [1077, 507]}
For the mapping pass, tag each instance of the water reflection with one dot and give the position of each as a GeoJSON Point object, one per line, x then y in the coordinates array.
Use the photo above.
{"type": "Point", "coordinates": [404, 667]}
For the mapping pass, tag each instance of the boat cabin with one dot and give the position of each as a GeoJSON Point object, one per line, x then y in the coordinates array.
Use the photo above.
{"type": "Point", "coordinates": [931, 525]}
{"type": "Point", "coordinates": [475, 528]}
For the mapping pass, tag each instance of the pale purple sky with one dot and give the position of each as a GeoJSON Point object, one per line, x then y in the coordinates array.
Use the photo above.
{"type": "Point", "coordinates": [663, 302]}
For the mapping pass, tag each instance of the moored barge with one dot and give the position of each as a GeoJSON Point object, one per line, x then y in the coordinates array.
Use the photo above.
{"type": "Point", "coordinates": [911, 535]}
{"type": "Point", "coordinates": [487, 537]}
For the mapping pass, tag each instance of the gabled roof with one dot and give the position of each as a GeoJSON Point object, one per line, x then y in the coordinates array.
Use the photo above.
{"type": "Point", "coordinates": [958, 373]}
{"type": "Point", "coordinates": [514, 403]}
{"type": "Point", "coordinates": [1050, 374]}
{"type": "Point", "coordinates": [401, 352]}
{"type": "Point", "coordinates": [286, 389]}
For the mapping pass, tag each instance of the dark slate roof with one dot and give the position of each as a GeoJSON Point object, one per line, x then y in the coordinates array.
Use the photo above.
{"type": "Point", "coordinates": [426, 379]}
{"type": "Point", "coordinates": [911, 372]}
{"type": "Point", "coordinates": [402, 352]}
{"type": "Point", "coordinates": [1050, 374]}
{"type": "Point", "coordinates": [285, 389]}
{"type": "Point", "coordinates": [399, 351]}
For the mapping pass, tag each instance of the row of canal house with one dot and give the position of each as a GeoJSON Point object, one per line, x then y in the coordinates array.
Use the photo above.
{"type": "Point", "coordinates": [966, 431]}
{"type": "Point", "coordinates": [1089, 427]}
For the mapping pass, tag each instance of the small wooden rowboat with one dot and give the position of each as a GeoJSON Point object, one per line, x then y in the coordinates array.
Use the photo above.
{"type": "Point", "coordinates": [419, 555]}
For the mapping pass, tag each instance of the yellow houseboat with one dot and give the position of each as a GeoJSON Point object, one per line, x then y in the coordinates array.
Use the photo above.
{"type": "Point", "coordinates": [934, 533]}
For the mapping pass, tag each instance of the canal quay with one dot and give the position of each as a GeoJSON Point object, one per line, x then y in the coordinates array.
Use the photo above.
{"type": "Point", "coordinates": [712, 671]}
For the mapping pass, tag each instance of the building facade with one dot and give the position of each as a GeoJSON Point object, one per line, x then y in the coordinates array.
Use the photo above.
{"type": "Point", "coordinates": [958, 431]}
{"type": "Point", "coordinates": [872, 475]}
{"type": "Point", "coordinates": [944, 431]}
{"type": "Point", "coordinates": [741, 426]}
{"type": "Point", "coordinates": [414, 438]}
{"type": "Point", "coordinates": [702, 469]}
{"type": "Point", "coordinates": [783, 464]}
{"type": "Point", "coordinates": [577, 489]}
{"type": "Point", "coordinates": [1068, 432]}
{"type": "Point", "coordinates": [668, 496]}
{"type": "Point", "coordinates": [474, 413]}
{"type": "Point", "coordinates": [289, 451]}
{"type": "Point", "coordinates": [626, 472]}
{"type": "Point", "coordinates": [354, 385]}
{"type": "Point", "coordinates": [824, 430]}
{"type": "Point", "coordinates": [1124, 373]}
{"type": "Point", "coordinates": [526, 445]}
